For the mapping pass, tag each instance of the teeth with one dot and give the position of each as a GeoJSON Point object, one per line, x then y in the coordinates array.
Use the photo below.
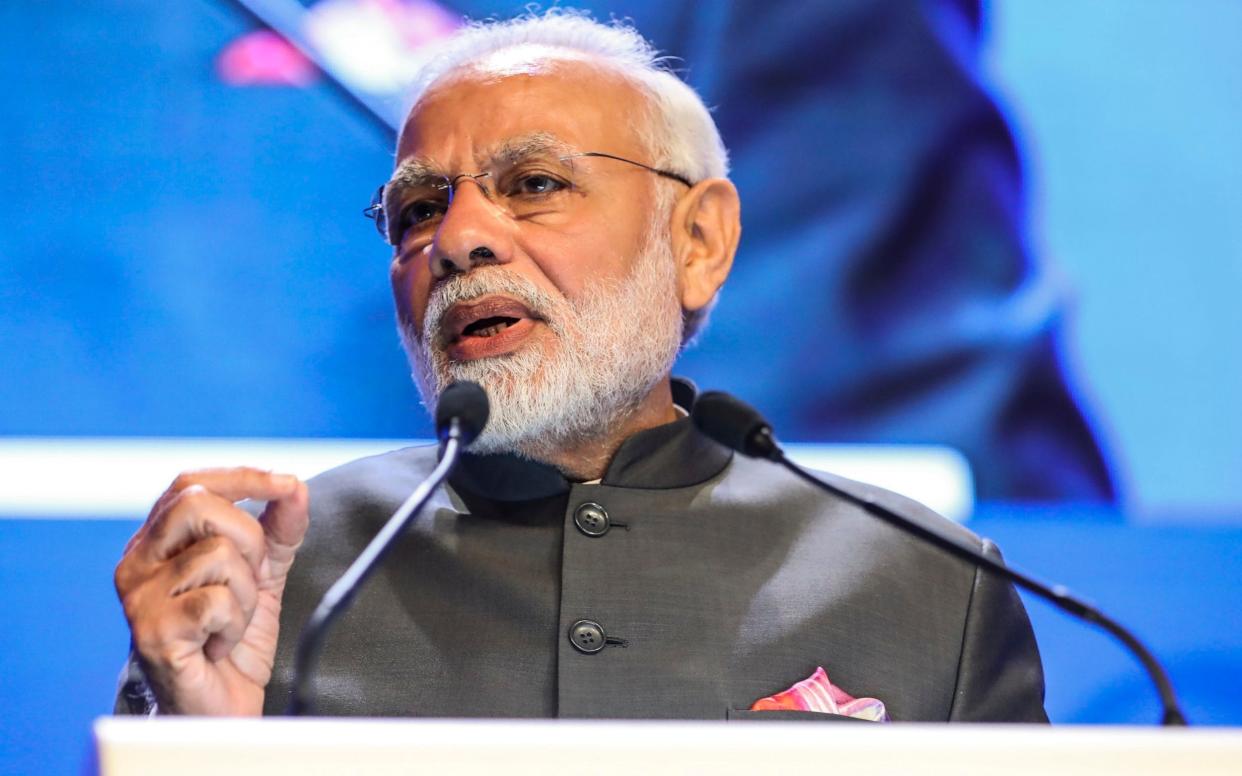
{"type": "Point", "coordinates": [491, 330]}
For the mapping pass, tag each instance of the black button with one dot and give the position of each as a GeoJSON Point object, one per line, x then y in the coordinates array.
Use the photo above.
{"type": "Point", "coordinates": [592, 519]}
{"type": "Point", "coordinates": [587, 636]}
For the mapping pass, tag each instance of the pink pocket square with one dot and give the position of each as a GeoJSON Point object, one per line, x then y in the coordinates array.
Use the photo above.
{"type": "Point", "coordinates": [816, 693]}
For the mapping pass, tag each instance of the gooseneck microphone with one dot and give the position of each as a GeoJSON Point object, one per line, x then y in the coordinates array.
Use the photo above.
{"type": "Point", "coordinates": [461, 415]}
{"type": "Point", "coordinates": [738, 426]}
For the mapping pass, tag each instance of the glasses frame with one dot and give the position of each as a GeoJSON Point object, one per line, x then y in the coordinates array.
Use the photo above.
{"type": "Point", "coordinates": [375, 211]}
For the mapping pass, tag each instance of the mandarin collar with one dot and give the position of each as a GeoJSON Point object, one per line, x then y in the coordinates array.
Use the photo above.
{"type": "Point", "coordinates": [674, 455]}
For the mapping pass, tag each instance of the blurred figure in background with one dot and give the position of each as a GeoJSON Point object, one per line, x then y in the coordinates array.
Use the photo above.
{"type": "Point", "coordinates": [882, 183]}
{"type": "Point", "coordinates": [885, 186]}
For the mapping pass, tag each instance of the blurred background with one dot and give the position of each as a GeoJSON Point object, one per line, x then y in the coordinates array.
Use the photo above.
{"type": "Point", "coordinates": [1008, 228]}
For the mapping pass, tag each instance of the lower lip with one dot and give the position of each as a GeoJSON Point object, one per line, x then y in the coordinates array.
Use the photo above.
{"type": "Point", "coordinates": [469, 348]}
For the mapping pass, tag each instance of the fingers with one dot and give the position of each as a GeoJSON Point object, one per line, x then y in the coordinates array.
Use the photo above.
{"type": "Point", "coordinates": [242, 482]}
{"type": "Point", "coordinates": [171, 644]}
{"type": "Point", "coordinates": [284, 523]}
{"type": "Point", "coordinates": [194, 514]}
{"type": "Point", "coordinates": [162, 607]}
{"type": "Point", "coordinates": [197, 537]}
{"type": "Point", "coordinates": [214, 561]}
{"type": "Point", "coordinates": [201, 577]}
{"type": "Point", "coordinates": [220, 621]}
{"type": "Point", "coordinates": [199, 508]}
{"type": "Point", "coordinates": [285, 519]}
{"type": "Point", "coordinates": [232, 485]}
{"type": "Point", "coordinates": [207, 612]}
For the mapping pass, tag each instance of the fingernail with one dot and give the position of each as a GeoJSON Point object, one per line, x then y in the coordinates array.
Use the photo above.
{"type": "Point", "coordinates": [284, 481]}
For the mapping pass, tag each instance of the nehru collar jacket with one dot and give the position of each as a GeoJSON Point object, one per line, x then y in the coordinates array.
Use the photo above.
{"type": "Point", "coordinates": [686, 583]}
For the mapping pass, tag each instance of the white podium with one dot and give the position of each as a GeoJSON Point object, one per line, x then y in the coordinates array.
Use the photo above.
{"type": "Point", "coordinates": [235, 747]}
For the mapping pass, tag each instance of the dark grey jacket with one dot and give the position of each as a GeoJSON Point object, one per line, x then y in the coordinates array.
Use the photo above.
{"type": "Point", "coordinates": [716, 581]}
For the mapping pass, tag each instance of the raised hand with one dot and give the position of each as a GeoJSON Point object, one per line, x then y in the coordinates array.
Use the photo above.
{"type": "Point", "coordinates": [201, 584]}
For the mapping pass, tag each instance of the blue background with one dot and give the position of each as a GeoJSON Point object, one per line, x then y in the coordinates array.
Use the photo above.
{"type": "Point", "coordinates": [165, 239]}
{"type": "Point", "coordinates": [1128, 119]}
{"type": "Point", "coordinates": [203, 269]}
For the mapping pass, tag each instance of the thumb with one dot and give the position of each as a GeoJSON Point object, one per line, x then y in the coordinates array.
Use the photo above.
{"type": "Point", "coordinates": [285, 520]}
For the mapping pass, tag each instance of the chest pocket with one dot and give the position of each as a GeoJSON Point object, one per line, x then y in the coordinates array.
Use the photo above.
{"type": "Point", "coordinates": [790, 716]}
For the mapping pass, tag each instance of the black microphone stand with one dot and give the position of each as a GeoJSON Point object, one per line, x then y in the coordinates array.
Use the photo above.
{"type": "Point", "coordinates": [739, 426]}
{"type": "Point", "coordinates": [1059, 596]}
{"type": "Point", "coordinates": [342, 592]}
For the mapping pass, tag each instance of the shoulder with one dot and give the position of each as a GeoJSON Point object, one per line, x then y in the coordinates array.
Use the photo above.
{"type": "Point", "coordinates": [350, 502]}
{"type": "Point", "coordinates": [830, 542]}
{"type": "Point", "coordinates": [373, 478]}
{"type": "Point", "coordinates": [778, 492]}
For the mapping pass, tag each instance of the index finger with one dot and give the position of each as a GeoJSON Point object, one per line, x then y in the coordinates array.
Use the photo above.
{"type": "Point", "coordinates": [239, 483]}
{"type": "Point", "coordinates": [232, 484]}
{"type": "Point", "coordinates": [196, 514]}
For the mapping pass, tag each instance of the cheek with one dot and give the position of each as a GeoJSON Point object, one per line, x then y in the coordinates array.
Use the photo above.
{"type": "Point", "coordinates": [571, 261]}
{"type": "Point", "coordinates": [411, 284]}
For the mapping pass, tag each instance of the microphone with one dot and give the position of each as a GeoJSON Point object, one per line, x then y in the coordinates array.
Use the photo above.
{"type": "Point", "coordinates": [461, 415]}
{"type": "Point", "coordinates": [463, 410]}
{"type": "Point", "coordinates": [740, 427]}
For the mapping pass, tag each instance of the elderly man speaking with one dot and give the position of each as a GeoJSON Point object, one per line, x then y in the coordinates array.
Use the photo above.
{"type": "Point", "coordinates": [561, 223]}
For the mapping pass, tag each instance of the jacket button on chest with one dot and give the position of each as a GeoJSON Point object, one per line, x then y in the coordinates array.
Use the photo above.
{"type": "Point", "coordinates": [592, 519]}
{"type": "Point", "coordinates": [587, 636]}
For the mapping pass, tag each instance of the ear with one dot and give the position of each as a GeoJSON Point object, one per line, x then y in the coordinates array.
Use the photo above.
{"type": "Point", "coordinates": [705, 229]}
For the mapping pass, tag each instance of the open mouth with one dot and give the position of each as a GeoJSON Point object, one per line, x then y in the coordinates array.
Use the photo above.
{"type": "Point", "coordinates": [485, 318]}
{"type": "Point", "coordinates": [489, 327]}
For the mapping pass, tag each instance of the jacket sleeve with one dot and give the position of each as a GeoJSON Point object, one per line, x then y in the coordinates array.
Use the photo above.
{"type": "Point", "coordinates": [999, 675]}
{"type": "Point", "coordinates": [133, 694]}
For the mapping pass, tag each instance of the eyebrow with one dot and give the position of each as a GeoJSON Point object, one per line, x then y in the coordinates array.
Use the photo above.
{"type": "Point", "coordinates": [516, 149]}
{"type": "Point", "coordinates": [418, 171]}
{"type": "Point", "coordinates": [415, 172]}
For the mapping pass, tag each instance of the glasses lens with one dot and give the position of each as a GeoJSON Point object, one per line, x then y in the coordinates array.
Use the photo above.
{"type": "Point", "coordinates": [537, 187]}
{"type": "Point", "coordinates": [375, 212]}
{"type": "Point", "coordinates": [414, 212]}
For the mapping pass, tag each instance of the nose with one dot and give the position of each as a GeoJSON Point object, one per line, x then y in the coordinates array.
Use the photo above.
{"type": "Point", "coordinates": [474, 231]}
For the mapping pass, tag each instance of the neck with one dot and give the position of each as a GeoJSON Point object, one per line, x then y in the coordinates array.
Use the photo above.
{"type": "Point", "coordinates": [587, 459]}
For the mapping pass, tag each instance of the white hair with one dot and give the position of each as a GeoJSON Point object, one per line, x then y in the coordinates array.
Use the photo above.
{"type": "Point", "coordinates": [678, 130]}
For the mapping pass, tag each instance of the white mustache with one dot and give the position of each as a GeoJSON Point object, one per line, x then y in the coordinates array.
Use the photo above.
{"type": "Point", "coordinates": [478, 283]}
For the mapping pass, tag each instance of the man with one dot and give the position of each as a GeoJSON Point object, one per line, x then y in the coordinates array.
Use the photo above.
{"type": "Point", "coordinates": [561, 224]}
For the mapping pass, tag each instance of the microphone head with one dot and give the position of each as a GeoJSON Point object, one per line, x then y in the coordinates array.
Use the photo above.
{"type": "Point", "coordinates": [467, 402]}
{"type": "Point", "coordinates": [734, 424]}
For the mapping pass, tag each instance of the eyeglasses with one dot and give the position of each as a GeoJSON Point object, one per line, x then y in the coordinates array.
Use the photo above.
{"type": "Point", "coordinates": [412, 205]}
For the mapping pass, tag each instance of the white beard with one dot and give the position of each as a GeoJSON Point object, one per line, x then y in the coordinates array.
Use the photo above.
{"type": "Point", "coordinates": [612, 346]}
